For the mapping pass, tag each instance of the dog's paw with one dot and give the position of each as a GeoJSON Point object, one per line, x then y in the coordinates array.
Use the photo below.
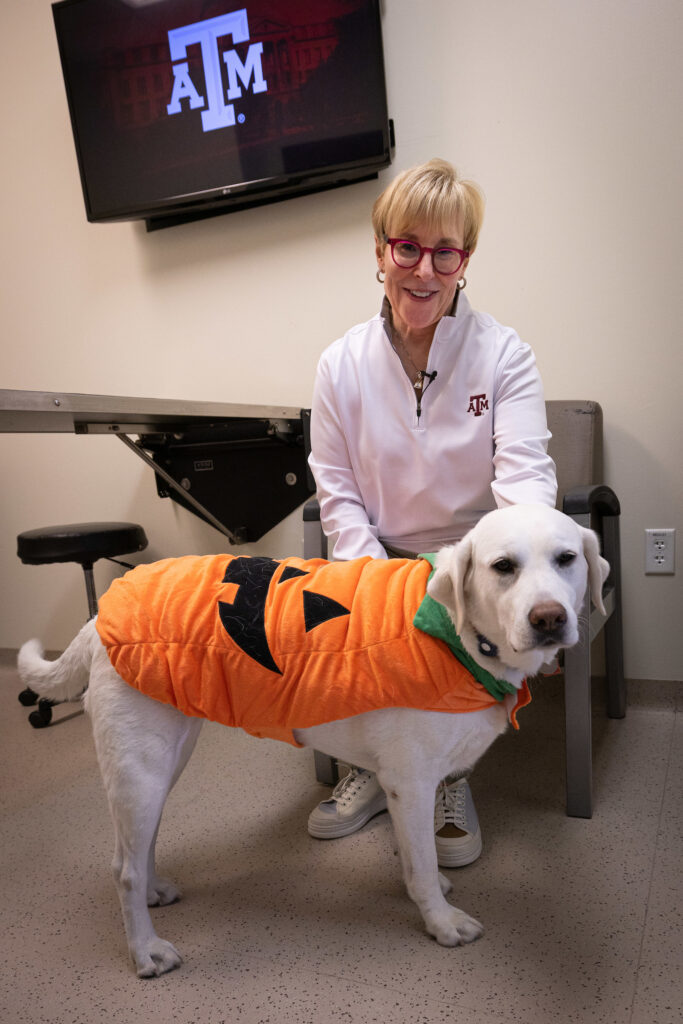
{"type": "Point", "coordinates": [161, 892]}
{"type": "Point", "coordinates": [155, 958]}
{"type": "Point", "coordinates": [452, 927]}
{"type": "Point", "coordinates": [445, 884]}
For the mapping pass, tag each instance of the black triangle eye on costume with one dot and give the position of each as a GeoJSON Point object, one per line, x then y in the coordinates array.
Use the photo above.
{"type": "Point", "coordinates": [245, 618]}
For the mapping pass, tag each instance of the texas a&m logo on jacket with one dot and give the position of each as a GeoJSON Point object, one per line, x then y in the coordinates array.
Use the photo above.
{"type": "Point", "coordinates": [478, 404]}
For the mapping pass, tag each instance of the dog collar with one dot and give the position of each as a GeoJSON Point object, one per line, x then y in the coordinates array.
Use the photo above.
{"type": "Point", "coordinates": [486, 647]}
{"type": "Point", "coordinates": [432, 618]}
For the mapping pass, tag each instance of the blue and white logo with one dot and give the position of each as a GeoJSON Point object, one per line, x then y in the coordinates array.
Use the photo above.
{"type": "Point", "coordinates": [217, 113]}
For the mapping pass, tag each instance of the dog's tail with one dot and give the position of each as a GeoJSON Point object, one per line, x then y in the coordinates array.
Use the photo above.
{"type": "Point", "coordinates": [64, 679]}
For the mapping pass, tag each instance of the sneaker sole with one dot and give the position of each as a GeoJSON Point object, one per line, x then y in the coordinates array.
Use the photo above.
{"type": "Point", "coordinates": [321, 829]}
{"type": "Point", "coordinates": [458, 853]}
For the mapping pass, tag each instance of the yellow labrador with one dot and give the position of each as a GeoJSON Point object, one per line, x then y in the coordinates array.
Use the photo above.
{"type": "Point", "coordinates": [513, 587]}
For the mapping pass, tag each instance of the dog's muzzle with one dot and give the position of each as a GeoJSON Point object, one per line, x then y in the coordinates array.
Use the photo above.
{"type": "Point", "coordinates": [548, 621]}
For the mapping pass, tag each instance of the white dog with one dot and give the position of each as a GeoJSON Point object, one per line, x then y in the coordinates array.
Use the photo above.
{"type": "Point", "coordinates": [514, 588]}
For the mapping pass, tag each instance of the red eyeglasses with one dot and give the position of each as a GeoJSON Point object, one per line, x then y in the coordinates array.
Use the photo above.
{"type": "Point", "coordinates": [407, 254]}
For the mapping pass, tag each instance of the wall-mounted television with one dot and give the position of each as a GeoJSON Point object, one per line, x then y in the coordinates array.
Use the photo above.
{"type": "Point", "coordinates": [182, 109]}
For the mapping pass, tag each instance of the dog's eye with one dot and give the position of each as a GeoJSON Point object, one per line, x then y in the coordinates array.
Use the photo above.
{"type": "Point", "coordinates": [504, 566]}
{"type": "Point", "coordinates": [566, 558]}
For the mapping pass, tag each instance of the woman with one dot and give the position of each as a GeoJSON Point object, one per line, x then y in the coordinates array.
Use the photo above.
{"type": "Point", "coordinates": [423, 419]}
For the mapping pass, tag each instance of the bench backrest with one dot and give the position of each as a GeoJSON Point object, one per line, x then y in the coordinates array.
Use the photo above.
{"type": "Point", "coordinates": [576, 444]}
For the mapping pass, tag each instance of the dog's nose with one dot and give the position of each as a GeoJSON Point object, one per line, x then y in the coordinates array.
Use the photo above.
{"type": "Point", "coordinates": [547, 616]}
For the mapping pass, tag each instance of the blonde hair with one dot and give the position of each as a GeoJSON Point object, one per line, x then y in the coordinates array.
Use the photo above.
{"type": "Point", "coordinates": [431, 194]}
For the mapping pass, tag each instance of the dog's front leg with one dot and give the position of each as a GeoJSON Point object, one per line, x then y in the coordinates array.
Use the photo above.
{"type": "Point", "coordinates": [411, 805]}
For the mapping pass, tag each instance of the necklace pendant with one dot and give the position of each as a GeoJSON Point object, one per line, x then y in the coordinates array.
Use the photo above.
{"type": "Point", "coordinates": [419, 381]}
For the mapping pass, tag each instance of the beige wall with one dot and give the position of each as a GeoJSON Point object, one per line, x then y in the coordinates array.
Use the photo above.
{"type": "Point", "coordinates": [568, 114]}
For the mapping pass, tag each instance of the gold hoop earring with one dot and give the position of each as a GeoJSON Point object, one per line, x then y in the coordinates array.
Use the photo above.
{"type": "Point", "coordinates": [378, 277]}
{"type": "Point", "coordinates": [462, 283]}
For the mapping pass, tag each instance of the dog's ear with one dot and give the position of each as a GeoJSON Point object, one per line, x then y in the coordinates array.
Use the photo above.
{"type": "Point", "coordinates": [598, 567]}
{"type": "Point", "coordinates": [447, 585]}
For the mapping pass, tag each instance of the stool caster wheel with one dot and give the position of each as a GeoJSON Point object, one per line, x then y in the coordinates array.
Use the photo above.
{"type": "Point", "coordinates": [41, 718]}
{"type": "Point", "coordinates": [28, 698]}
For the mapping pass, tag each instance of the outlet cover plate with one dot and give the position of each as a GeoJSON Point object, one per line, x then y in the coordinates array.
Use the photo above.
{"type": "Point", "coordinates": [660, 550]}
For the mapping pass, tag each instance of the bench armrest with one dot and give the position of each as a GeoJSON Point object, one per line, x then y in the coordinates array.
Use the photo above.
{"type": "Point", "coordinates": [312, 511]}
{"type": "Point", "coordinates": [593, 498]}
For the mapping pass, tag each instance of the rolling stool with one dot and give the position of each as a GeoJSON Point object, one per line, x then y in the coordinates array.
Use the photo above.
{"type": "Point", "coordinates": [79, 542]}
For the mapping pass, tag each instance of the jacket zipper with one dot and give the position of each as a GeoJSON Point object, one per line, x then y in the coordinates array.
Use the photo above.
{"type": "Point", "coordinates": [420, 388]}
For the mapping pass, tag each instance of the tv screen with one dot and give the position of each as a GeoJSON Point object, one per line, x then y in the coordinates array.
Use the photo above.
{"type": "Point", "coordinates": [185, 108]}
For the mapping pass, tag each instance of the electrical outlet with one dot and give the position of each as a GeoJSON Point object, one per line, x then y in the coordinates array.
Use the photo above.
{"type": "Point", "coordinates": [660, 550]}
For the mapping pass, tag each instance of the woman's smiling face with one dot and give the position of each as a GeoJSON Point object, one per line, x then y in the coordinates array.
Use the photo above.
{"type": "Point", "coordinates": [420, 296]}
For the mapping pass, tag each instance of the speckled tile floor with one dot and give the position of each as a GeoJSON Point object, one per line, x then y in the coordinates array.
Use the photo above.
{"type": "Point", "coordinates": [584, 919]}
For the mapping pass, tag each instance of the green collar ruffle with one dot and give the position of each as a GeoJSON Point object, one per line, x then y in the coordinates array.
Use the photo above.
{"type": "Point", "coordinates": [432, 618]}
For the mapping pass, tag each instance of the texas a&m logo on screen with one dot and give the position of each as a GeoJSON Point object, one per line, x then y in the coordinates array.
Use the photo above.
{"type": "Point", "coordinates": [211, 100]}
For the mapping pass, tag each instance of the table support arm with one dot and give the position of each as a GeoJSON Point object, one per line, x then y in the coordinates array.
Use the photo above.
{"type": "Point", "coordinates": [141, 453]}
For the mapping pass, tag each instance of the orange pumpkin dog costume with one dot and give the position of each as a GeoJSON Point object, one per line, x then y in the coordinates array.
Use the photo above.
{"type": "Point", "coordinates": [271, 646]}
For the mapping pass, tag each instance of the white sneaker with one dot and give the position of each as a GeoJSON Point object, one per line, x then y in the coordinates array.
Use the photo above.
{"type": "Point", "coordinates": [456, 825]}
{"type": "Point", "coordinates": [355, 799]}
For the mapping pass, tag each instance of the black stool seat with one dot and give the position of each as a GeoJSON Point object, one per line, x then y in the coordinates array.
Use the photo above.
{"type": "Point", "coordinates": [79, 542]}
{"type": "Point", "coordinates": [84, 543]}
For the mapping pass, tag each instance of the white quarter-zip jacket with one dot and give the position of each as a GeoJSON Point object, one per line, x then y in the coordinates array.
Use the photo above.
{"type": "Point", "coordinates": [388, 476]}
